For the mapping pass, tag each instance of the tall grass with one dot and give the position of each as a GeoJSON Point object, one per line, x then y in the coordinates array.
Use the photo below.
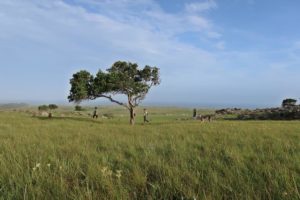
{"type": "Point", "coordinates": [80, 158]}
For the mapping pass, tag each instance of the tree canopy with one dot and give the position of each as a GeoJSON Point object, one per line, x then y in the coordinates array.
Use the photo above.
{"type": "Point", "coordinates": [121, 78]}
{"type": "Point", "coordinates": [289, 102]}
{"type": "Point", "coordinates": [43, 107]}
{"type": "Point", "coordinates": [52, 106]}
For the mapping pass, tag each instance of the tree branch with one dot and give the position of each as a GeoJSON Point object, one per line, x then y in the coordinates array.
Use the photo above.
{"type": "Point", "coordinates": [137, 99]}
{"type": "Point", "coordinates": [113, 100]}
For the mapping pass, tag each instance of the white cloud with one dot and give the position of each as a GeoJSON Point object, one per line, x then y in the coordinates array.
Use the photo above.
{"type": "Point", "coordinates": [200, 22]}
{"type": "Point", "coordinates": [53, 35]}
{"type": "Point", "coordinates": [213, 35]}
{"type": "Point", "coordinates": [50, 21]}
{"type": "Point", "coordinates": [40, 38]}
{"type": "Point", "coordinates": [200, 7]}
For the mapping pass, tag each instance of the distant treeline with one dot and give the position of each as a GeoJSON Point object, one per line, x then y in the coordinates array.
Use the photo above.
{"type": "Point", "coordinates": [13, 105]}
{"type": "Point", "coordinates": [289, 110]}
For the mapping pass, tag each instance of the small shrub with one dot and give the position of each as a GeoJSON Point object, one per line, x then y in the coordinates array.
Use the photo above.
{"type": "Point", "coordinates": [52, 106]}
{"type": "Point", "coordinates": [79, 108]}
{"type": "Point", "coordinates": [43, 108]}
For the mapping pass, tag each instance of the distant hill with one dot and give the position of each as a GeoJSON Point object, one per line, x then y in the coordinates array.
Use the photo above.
{"type": "Point", "coordinates": [13, 105]}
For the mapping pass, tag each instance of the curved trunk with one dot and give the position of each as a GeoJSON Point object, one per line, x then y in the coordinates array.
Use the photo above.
{"type": "Point", "coordinates": [132, 116]}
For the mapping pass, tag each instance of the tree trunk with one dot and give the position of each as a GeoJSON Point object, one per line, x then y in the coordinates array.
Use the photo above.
{"type": "Point", "coordinates": [132, 116]}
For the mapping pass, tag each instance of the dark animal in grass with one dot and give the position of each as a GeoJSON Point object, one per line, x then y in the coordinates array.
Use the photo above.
{"type": "Point", "coordinates": [203, 118]}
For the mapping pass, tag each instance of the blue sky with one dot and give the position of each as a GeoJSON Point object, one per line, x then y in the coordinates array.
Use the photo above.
{"type": "Point", "coordinates": [210, 52]}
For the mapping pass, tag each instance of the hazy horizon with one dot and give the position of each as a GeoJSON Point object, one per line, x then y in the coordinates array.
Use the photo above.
{"type": "Point", "coordinates": [145, 103]}
{"type": "Point", "coordinates": [241, 53]}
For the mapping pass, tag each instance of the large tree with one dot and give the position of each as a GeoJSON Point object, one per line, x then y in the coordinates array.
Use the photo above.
{"type": "Point", "coordinates": [288, 102]}
{"type": "Point", "coordinates": [121, 78]}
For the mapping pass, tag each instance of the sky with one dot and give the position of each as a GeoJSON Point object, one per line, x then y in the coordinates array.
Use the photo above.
{"type": "Point", "coordinates": [210, 52]}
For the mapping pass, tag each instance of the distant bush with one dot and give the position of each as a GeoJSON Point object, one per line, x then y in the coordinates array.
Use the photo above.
{"type": "Point", "coordinates": [52, 106]}
{"type": "Point", "coordinates": [79, 108]}
{"type": "Point", "coordinates": [48, 107]}
{"type": "Point", "coordinates": [43, 108]}
{"type": "Point", "coordinates": [285, 113]}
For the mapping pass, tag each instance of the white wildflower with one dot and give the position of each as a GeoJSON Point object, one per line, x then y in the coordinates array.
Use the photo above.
{"type": "Point", "coordinates": [119, 173]}
{"type": "Point", "coordinates": [106, 172]}
{"type": "Point", "coordinates": [103, 170]}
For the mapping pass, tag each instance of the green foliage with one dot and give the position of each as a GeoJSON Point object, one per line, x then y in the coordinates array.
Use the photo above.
{"type": "Point", "coordinates": [52, 106]}
{"type": "Point", "coordinates": [43, 108]}
{"type": "Point", "coordinates": [287, 114]}
{"type": "Point", "coordinates": [80, 86]}
{"type": "Point", "coordinates": [289, 102]}
{"type": "Point", "coordinates": [79, 108]}
{"type": "Point", "coordinates": [78, 158]}
{"type": "Point", "coordinates": [47, 107]}
{"type": "Point", "coordinates": [122, 78]}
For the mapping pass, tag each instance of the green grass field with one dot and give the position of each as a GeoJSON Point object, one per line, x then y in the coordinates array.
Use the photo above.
{"type": "Point", "coordinates": [72, 156]}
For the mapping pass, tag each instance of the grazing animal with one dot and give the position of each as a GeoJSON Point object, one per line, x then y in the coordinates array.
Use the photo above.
{"type": "Point", "coordinates": [203, 118]}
